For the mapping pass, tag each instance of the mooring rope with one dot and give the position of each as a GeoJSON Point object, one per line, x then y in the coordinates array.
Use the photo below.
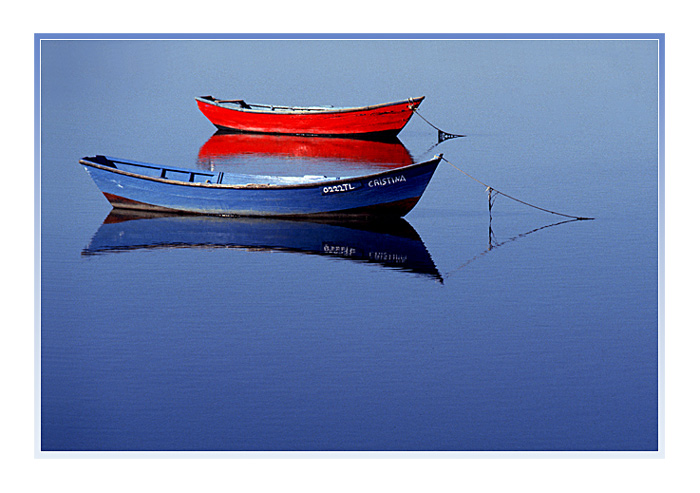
{"type": "Point", "coordinates": [493, 246]}
{"type": "Point", "coordinates": [442, 135]}
{"type": "Point", "coordinates": [490, 188]}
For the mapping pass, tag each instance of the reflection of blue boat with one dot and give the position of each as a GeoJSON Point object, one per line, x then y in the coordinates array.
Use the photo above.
{"type": "Point", "coordinates": [135, 185]}
{"type": "Point", "coordinates": [390, 243]}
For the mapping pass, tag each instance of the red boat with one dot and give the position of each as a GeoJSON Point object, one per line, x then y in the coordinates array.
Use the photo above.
{"type": "Point", "coordinates": [222, 147]}
{"type": "Point", "coordinates": [376, 122]}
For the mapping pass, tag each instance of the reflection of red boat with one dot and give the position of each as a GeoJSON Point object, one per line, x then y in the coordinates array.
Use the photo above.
{"type": "Point", "coordinates": [223, 146]}
{"type": "Point", "coordinates": [376, 121]}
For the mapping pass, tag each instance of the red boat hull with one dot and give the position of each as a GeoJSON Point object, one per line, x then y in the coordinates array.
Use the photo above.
{"type": "Point", "coordinates": [382, 120]}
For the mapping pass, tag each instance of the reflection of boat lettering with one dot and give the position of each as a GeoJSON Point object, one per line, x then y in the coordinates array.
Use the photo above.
{"type": "Point", "coordinates": [342, 250]}
{"type": "Point", "coordinates": [343, 187]}
{"type": "Point", "coordinates": [387, 257]}
{"type": "Point", "coordinates": [388, 180]}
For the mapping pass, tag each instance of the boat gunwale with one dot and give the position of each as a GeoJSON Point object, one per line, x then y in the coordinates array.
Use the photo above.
{"type": "Point", "coordinates": [305, 110]}
{"type": "Point", "coordinates": [249, 186]}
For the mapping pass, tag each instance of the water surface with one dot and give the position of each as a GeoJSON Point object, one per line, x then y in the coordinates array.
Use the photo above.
{"type": "Point", "coordinates": [451, 330]}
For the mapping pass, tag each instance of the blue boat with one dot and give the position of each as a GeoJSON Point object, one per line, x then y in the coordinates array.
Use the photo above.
{"type": "Point", "coordinates": [391, 243]}
{"type": "Point", "coordinates": [143, 186]}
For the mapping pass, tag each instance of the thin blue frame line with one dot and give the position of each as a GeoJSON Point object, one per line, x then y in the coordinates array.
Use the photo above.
{"type": "Point", "coordinates": [359, 36]}
{"type": "Point", "coordinates": [661, 396]}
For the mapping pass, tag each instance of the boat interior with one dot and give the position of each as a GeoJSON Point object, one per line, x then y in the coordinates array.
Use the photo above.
{"type": "Point", "coordinates": [240, 104]}
{"type": "Point", "coordinates": [204, 177]}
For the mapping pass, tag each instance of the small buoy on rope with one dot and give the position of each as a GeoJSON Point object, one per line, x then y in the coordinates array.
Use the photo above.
{"type": "Point", "coordinates": [442, 135]}
{"type": "Point", "coordinates": [492, 192]}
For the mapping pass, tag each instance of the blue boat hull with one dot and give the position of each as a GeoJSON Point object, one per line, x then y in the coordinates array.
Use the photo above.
{"type": "Point", "coordinates": [389, 193]}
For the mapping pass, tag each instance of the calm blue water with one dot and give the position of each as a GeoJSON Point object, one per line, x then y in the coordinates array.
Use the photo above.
{"type": "Point", "coordinates": [436, 333]}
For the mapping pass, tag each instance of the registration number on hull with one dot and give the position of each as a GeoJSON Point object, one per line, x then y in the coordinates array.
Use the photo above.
{"type": "Point", "coordinates": [342, 187]}
{"type": "Point", "coordinates": [377, 182]}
